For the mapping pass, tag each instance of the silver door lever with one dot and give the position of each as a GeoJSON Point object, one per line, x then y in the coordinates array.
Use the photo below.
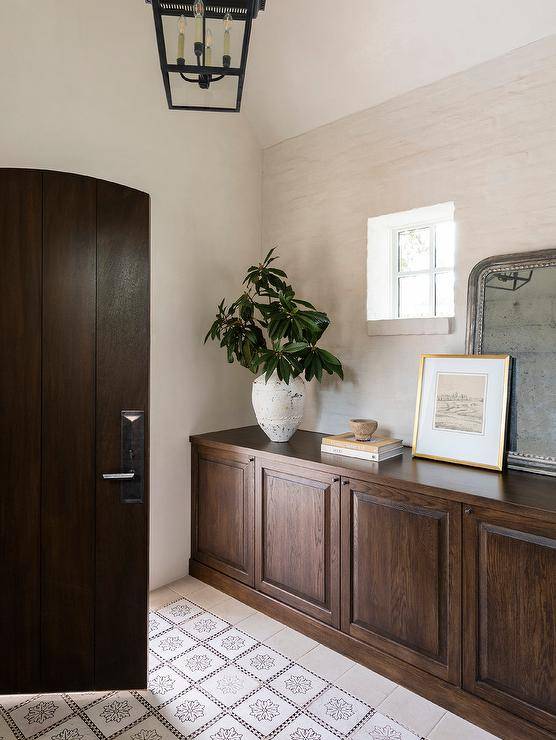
{"type": "Point", "coordinates": [118, 476]}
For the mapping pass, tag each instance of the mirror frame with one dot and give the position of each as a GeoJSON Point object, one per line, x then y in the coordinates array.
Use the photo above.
{"type": "Point", "coordinates": [475, 325]}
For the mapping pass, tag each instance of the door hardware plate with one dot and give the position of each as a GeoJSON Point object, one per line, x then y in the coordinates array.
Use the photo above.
{"type": "Point", "coordinates": [133, 456]}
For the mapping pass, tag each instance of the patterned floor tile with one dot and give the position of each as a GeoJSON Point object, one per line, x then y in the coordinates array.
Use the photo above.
{"type": "Point", "coordinates": [154, 661]}
{"type": "Point", "coordinates": [149, 729]}
{"type": "Point", "coordinates": [116, 713]}
{"type": "Point", "coordinates": [198, 663]}
{"type": "Point", "coordinates": [304, 728]}
{"type": "Point", "coordinates": [72, 729]}
{"type": "Point", "coordinates": [190, 712]}
{"type": "Point", "coordinates": [380, 727]}
{"type": "Point", "coordinates": [86, 698]}
{"type": "Point", "coordinates": [263, 662]}
{"type": "Point", "coordinates": [339, 710]}
{"type": "Point", "coordinates": [264, 711]}
{"type": "Point", "coordinates": [232, 643]}
{"type": "Point", "coordinates": [164, 685]}
{"type": "Point", "coordinates": [157, 625]}
{"type": "Point", "coordinates": [180, 611]}
{"type": "Point", "coordinates": [213, 681]}
{"type": "Point", "coordinates": [205, 626]}
{"type": "Point", "coordinates": [229, 685]}
{"type": "Point", "coordinates": [227, 728]}
{"type": "Point", "coordinates": [298, 685]}
{"type": "Point", "coordinates": [172, 643]}
{"type": "Point", "coordinates": [40, 714]}
{"type": "Point", "coordinates": [5, 731]}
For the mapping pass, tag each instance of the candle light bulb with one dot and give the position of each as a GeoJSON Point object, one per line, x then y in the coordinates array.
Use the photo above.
{"type": "Point", "coordinates": [181, 39]}
{"type": "Point", "coordinates": [208, 48]}
{"type": "Point", "coordinates": [228, 20]}
{"type": "Point", "coordinates": [199, 11]}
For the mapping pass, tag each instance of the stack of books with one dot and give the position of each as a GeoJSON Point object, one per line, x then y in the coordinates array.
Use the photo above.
{"type": "Point", "coordinates": [376, 449]}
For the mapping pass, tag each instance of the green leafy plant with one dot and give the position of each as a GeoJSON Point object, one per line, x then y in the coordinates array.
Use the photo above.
{"type": "Point", "coordinates": [269, 329]}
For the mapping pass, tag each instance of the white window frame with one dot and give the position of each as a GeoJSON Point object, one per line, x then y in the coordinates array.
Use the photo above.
{"type": "Point", "coordinates": [432, 269]}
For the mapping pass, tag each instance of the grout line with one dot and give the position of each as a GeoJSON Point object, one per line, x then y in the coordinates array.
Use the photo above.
{"type": "Point", "coordinates": [436, 725]}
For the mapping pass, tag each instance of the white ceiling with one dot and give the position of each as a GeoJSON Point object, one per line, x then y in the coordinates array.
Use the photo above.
{"type": "Point", "coordinates": [314, 61]}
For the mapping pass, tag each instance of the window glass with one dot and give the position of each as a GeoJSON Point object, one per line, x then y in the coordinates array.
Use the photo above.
{"type": "Point", "coordinates": [444, 294]}
{"type": "Point", "coordinates": [414, 296]}
{"type": "Point", "coordinates": [414, 249]}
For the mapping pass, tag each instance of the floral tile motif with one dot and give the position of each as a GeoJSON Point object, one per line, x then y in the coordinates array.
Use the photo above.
{"type": "Point", "coordinates": [229, 685]}
{"type": "Point", "coordinates": [304, 728]}
{"type": "Point", "coordinates": [190, 712]}
{"type": "Point", "coordinates": [232, 643]}
{"type": "Point", "coordinates": [227, 728]}
{"type": "Point", "coordinates": [116, 712]}
{"type": "Point", "coordinates": [298, 685]}
{"type": "Point", "coordinates": [198, 663]}
{"type": "Point", "coordinates": [171, 643]}
{"type": "Point", "coordinates": [40, 714]}
{"type": "Point", "coordinates": [205, 626]}
{"type": "Point", "coordinates": [72, 729]}
{"type": "Point", "coordinates": [380, 727]}
{"type": "Point", "coordinates": [263, 662]}
{"type": "Point", "coordinates": [157, 624]}
{"type": "Point", "coordinates": [149, 729]}
{"type": "Point", "coordinates": [164, 685]}
{"type": "Point", "coordinates": [180, 611]}
{"type": "Point", "coordinates": [264, 711]}
{"type": "Point", "coordinates": [339, 710]}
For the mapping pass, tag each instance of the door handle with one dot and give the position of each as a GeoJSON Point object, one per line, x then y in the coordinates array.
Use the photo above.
{"type": "Point", "coordinates": [119, 476]}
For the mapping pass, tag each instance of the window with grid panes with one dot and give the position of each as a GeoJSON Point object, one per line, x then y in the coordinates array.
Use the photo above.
{"type": "Point", "coordinates": [423, 274]}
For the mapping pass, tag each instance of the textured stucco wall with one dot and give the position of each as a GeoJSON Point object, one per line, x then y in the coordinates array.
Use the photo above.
{"type": "Point", "coordinates": [484, 138]}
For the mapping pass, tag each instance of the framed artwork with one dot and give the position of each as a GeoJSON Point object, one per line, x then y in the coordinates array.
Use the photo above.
{"type": "Point", "coordinates": [462, 409]}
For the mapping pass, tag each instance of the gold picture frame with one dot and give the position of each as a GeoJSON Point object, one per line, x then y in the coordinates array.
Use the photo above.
{"type": "Point", "coordinates": [502, 406]}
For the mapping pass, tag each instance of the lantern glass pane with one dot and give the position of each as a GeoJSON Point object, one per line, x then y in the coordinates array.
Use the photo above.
{"type": "Point", "coordinates": [221, 94]}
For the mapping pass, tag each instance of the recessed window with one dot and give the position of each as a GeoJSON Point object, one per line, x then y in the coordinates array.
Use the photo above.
{"type": "Point", "coordinates": [410, 264]}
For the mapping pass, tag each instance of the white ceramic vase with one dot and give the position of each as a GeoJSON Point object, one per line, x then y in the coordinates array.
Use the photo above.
{"type": "Point", "coordinates": [278, 406]}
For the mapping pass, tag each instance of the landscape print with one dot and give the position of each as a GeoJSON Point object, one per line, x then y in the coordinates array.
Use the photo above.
{"type": "Point", "coordinates": [460, 402]}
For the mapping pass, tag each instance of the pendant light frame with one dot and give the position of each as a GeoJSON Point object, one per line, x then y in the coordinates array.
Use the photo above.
{"type": "Point", "coordinates": [244, 11]}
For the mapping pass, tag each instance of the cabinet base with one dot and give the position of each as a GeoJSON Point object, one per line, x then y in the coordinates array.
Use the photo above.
{"type": "Point", "coordinates": [450, 697]}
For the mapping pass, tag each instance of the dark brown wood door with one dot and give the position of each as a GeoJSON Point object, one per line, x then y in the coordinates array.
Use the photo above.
{"type": "Point", "coordinates": [222, 511]}
{"type": "Point", "coordinates": [510, 609]}
{"type": "Point", "coordinates": [297, 538]}
{"type": "Point", "coordinates": [401, 575]}
{"type": "Point", "coordinates": [74, 335]}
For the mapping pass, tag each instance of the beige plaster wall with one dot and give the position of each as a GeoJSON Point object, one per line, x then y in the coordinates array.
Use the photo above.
{"type": "Point", "coordinates": [485, 139]}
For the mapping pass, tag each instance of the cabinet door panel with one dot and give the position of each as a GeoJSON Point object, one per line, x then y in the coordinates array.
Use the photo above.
{"type": "Point", "coordinates": [401, 575]}
{"type": "Point", "coordinates": [510, 600]}
{"type": "Point", "coordinates": [297, 538]}
{"type": "Point", "coordinates": [223, 512]}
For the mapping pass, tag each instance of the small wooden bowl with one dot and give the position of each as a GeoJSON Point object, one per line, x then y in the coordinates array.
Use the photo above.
{"type": "Point", "coordinates": [363, 429]}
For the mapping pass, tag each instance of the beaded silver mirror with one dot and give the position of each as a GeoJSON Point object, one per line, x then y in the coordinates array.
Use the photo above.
{"type": "Point", "coordinates": [511, 308]}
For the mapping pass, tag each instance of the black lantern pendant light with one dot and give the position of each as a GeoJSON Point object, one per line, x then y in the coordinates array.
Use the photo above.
{"type": "Point", "coordinates": [203, 51]}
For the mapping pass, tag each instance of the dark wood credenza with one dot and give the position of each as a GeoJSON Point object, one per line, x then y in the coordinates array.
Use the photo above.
{"type": "Point", "coordinates": [440, 577]}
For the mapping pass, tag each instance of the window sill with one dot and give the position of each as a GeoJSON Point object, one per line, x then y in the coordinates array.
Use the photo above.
{"type": "Point", "coordinates": [401, 327]}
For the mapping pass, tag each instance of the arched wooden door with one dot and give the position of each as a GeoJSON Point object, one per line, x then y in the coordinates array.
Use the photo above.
{"type": "Point", "coordinates": [74, 374]}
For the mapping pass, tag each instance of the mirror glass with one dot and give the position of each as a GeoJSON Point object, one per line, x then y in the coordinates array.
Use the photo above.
{"type": "Point", "coordinates": [519, 318]}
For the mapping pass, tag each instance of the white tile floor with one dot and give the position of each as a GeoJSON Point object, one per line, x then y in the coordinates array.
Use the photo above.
{"type": "Point", "coordinates": [219, 670]}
